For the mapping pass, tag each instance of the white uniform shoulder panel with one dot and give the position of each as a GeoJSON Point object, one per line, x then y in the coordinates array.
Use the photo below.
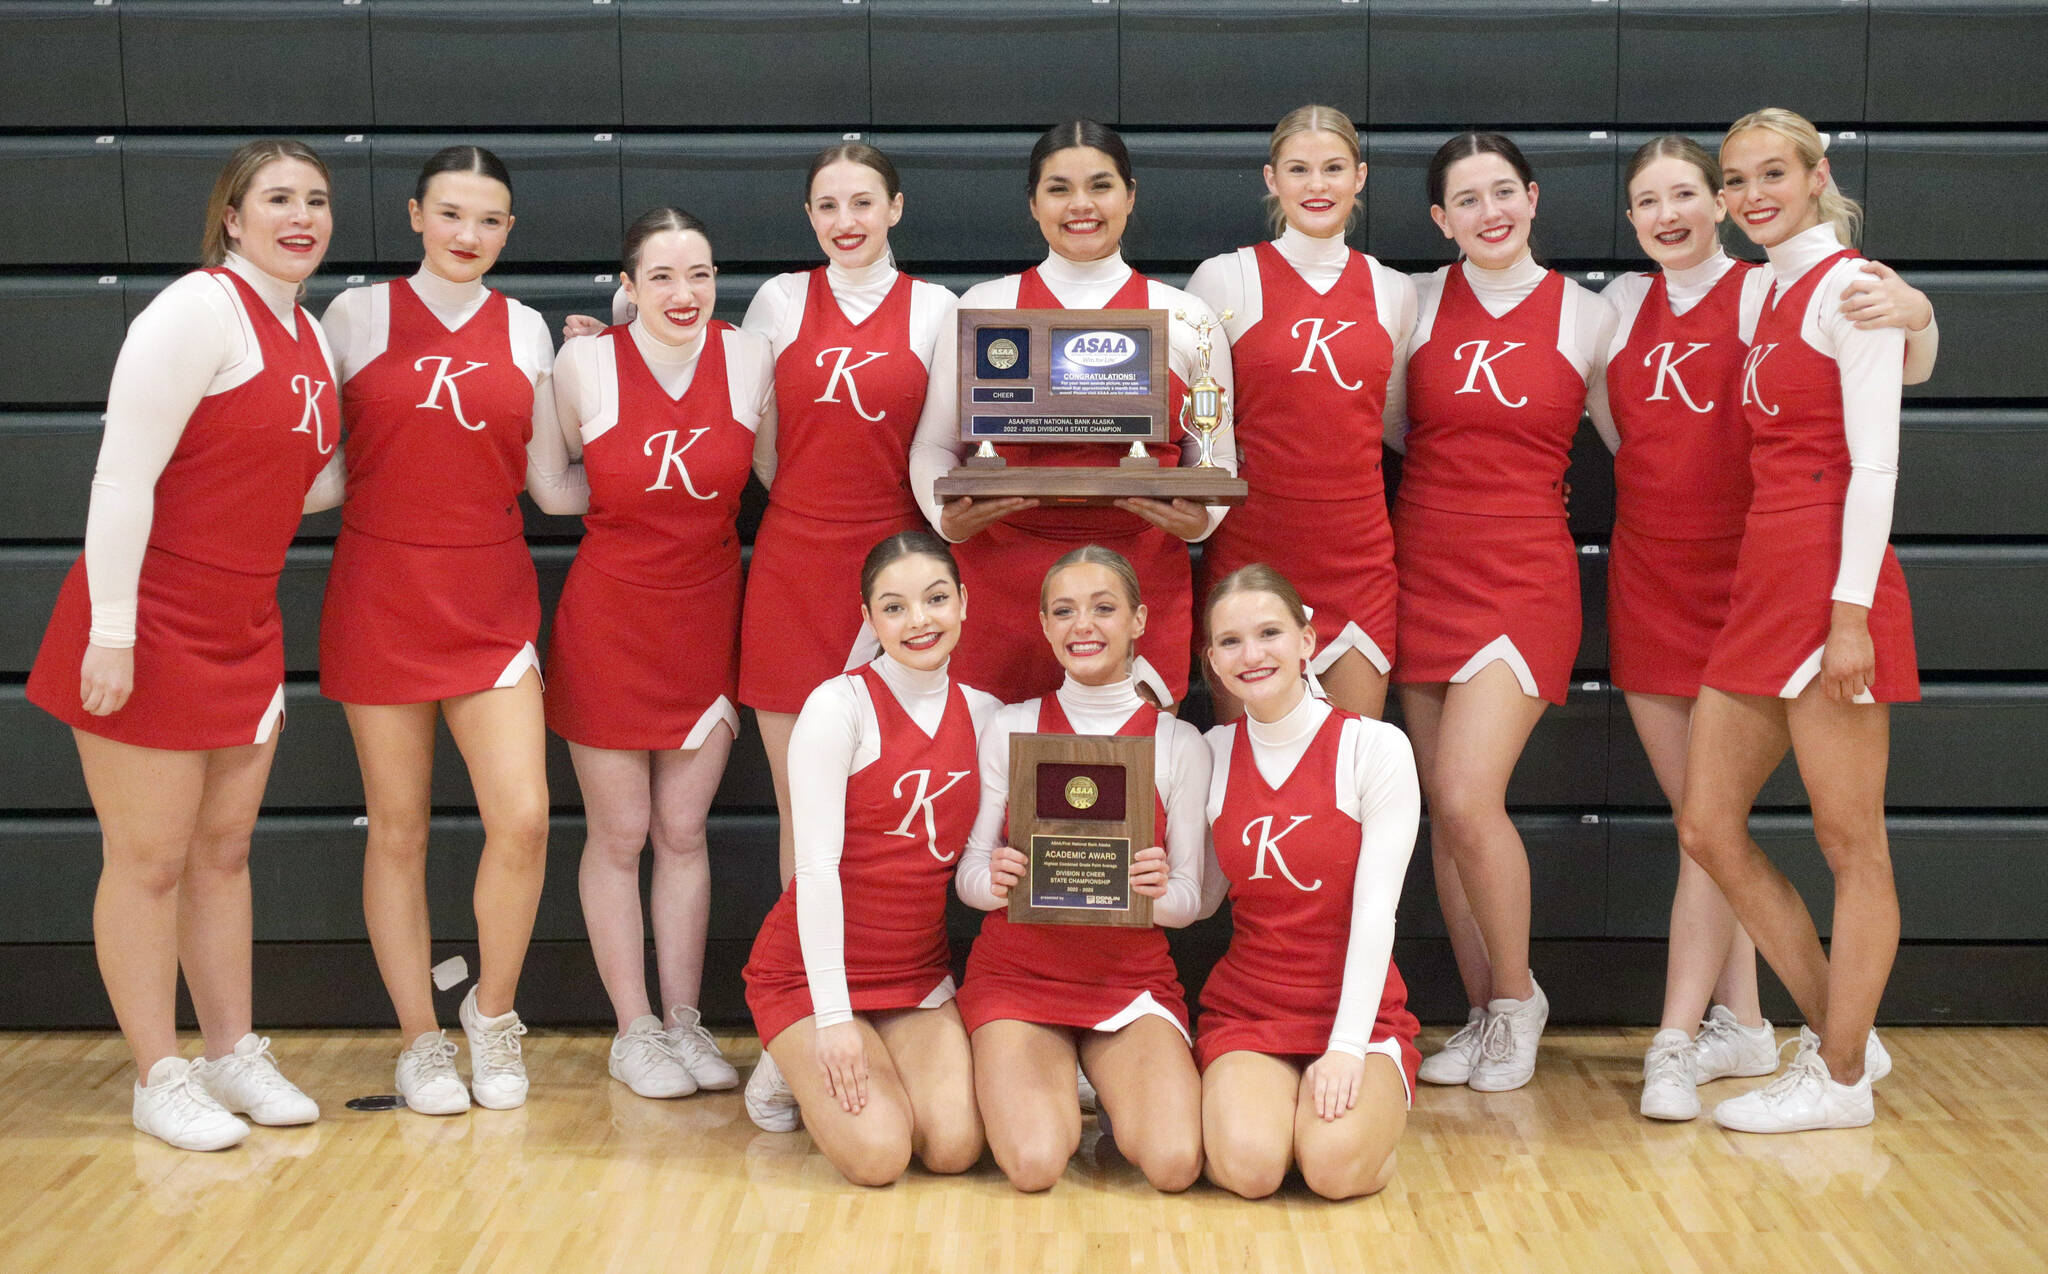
{"type": "Point", "coordinates": [201, 297]}
{"type": "Point", "coordinates": [1222, 741]}
{"type": "Point", "coordinates": [931, 318]}
{"type": "Point", "coordinates": [589, 365]}
{"type": "Point", "coordinates": [1230, 281]}
{"type": "Point", "coordinates": [1393, 296]}
{"type": "Point", "coordinates": [533, 345]}
{"type": "Point", "coordinates": [1756, 291]}
{"type": "Point", "coordinates": [749, 374]}
{"type": "Point", "coordinates": [777, 310]}
{"type": "Point", "coordinates": [993, 294]}
{"type": "Point", "coordinates": [1625, 295]}
{"type": "Point", "coordinates": [1429, 294]}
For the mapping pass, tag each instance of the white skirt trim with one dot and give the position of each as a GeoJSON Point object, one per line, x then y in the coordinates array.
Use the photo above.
{"type": "Point", "coordinates": [1503, 649]}
{"type": "Point", "coordinates": [1352, 638]}
{"type": "Point", "coordinates": [1143, 1006]}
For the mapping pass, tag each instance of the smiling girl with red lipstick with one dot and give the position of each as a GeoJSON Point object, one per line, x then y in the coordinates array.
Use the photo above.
{"type": "Point", "coordinates": [1317, 335]}
{"type": "Point", "coordinates": [1039, 997]}
{"type": "Point", "coordinates": [1307, 1047]}
{"type": "Point", "coordinates": [1082, 196]}
{"type": "Point", "coordinates": [1672, 404]}
{"type": "Point", "coordinates": [643, 664]}
{"type": "Point", "coordinates": [164, 654]}
{"type": "Point", "coordinates": [850, 981]}
{"type": "Point", "coordinates": [1819, 636]}
{"type": "Point", "coordinates": [432, 605]}
{"type": "Point", "coordinates": [1488, 617]}
{"type": "Point", "coordinates": [854, 340]}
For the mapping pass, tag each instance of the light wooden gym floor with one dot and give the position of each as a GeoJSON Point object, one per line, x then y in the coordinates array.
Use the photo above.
{"type": "Point", "coordinates": [1561, 1176]}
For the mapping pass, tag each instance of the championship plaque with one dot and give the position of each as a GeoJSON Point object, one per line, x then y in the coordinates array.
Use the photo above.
{"type": "Point", "coordinates": [1080, 807]}
{"type": "Point", "coordinates": [1080, 376]}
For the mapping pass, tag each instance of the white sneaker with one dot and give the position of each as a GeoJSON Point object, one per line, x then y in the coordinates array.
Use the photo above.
{"type": "Point", "coordinates": [1805, 1097]}
{"type": "Point", "coordinates": [497, 1072]}
{"type": "Point", "coordinates": [1453, 1063]}
{"type": "Point", "coordinates": [1877, 1060]}
{"type": "Point", "coordinates": [247, 1081]}
{"type": "Point", "coordinates": [771, 1103]}
{"type": "Point", "coordinates": [173, 1108]}
{"type": "Point", "coordinates": [1507, 1042]}
{"type": "Point", "coordinates": [1669, 1091]}
{"type": "Point", "coordinates": [697, 1051]}
{"type": "Point", "coordinates": [426, 1077]}
{"type": "Point", "coordinates": [1725, 1048]}
{"type": "Point", "coordinates": [641, 1060]}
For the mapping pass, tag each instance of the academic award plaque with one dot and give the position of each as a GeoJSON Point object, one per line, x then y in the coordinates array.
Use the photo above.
{"type": "Point", "coordinates": [1080, 807]}
{"type": "Point", "coordinates": [1081, 376]}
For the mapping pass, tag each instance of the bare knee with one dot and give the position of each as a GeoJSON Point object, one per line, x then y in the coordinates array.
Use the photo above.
{"type": "Point", "coordinates": [1245, 1172]}
{"type": "Point", "coordinates": [153, 870]}
{"type": "Point", "coordinates": [951, 1144]}
{"type": "Point", "coordinates": [519, 829]}
{"type": "Point", "coordinates": [1036, 1163]}
{"type": "Point", "coordinates": [875, 1158]}
{"type": "Point", "coordinates": [1851, 843]}
{"type": "Point", "coordinates": [1351, 1177]}
{"type": "Point", "coordinates": [615, 841]}
{"type": "Point", "coordinates": [398, 838]}
{"type": "Point", "coordinates": [1172, 1164]}
{"type": "Point", "coordinates": [677, 842]}
{"type": "Point", "coordinates": [1464, 818]}
{"type": "Point", "coordinates": [1713, 842]}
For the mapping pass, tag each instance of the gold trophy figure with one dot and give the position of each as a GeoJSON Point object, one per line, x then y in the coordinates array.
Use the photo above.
{"type": "Point", "coordinates": [1208, 403]}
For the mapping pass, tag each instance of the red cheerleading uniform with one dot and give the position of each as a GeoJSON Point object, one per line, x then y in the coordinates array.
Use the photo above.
{"type": "Point", "coordinates": [1781, 608]}
{"type": "Point", "coordinates": [847, 398]}
{"type": "Point", "coordinates": [644, 652]}
{"type": "Point", "coordinates": [893, 881]}
{"type": "Point", "coordinates": [432, 593]}
{"type": "Point", "coordinates": [1277, 988]}
{"type": "Point", "coordinates": [1486, 560]}
{"type": "Point", "coordinates": [209, 647]}
{"type": "Point", "coordinates": [1082, 976]}
{"type": "Point", "coordinates": [1004, 566]}
{"type": "Point", "coordinates": [1311, 386]}
{"type": "Point", "coordinates": [1682, 485]}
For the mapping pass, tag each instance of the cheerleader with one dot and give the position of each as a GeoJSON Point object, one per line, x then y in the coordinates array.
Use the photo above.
{"type": "Point", "coordinates": [1318, 337]}
{"type": "Point", "coordinates": [854, 342]}
{"type": "Point", "coordinates": [644, 662]}
{"type": "Point", "coordinates": [1488, 613]}
{"type": "Point", "coordinates": [1306, 1046]}
{"type": "Point", "coordinates": [1671, 402]}
{"type": "Point", "coordinates": [1819, 636]}
{"type": "Point", "coordinates": [850, 981]}
{"type": "Point", "coordinates": [1040, 997]}
{"type": "Point", "coordinates": [164, 654]}
{"type": "Point", "coordinates": [1082, 195]}
{"type": "Point", "coordinates": [432, 607]}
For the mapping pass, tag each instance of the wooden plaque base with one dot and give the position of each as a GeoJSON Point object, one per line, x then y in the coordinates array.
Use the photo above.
{"type": "Point", "coordinates": [1082, 485]}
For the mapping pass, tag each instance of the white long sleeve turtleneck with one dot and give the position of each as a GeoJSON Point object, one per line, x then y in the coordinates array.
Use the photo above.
{"type": "Point", "coordinates": [777, 312]}
{"type": "Point", "coordinates": [1871, 370]}
{"type": "Point", "coordinates": [1375, 784]}
{"type": "Point", "coordinates": [1180, 775]}
{"type": "Point", "coordinates": [1080, 285]}
{"type": "Point", "coordinates": [837, 735]}
{"type": "Point", "coordinates": [192, 341]}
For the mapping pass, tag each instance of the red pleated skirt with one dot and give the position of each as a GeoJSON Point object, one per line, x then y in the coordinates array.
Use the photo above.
{"type": "Point", "coordinates": [1781, 608]}
{"type": "Point", "coordinates": [636, 668]}
{"type": "Point", "coordinates": [209, 658]}
{"type": "Point", "coordinates": [1467, 580]}
{"type": "Point", "coordinates": [1666, 602]}
{"type": "Point", "coordinates": [1338, 554]}
{"type": "Point", "coordinates": [418, 623]}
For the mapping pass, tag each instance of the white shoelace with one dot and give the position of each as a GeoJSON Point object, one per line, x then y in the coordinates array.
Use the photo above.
{"type": "Point", "coordinates": [261, 1067]}
{"type": "Point", "coordinates": [1806, 1071]}
{"type": "Point", "coordinates": [692, 1043]}
{"type": "Point", "coordinates": [435, 1059]}
{"type": "Point", "coordinates": [645, 1047]}
{"type": "Point", "coordinates": [497, 1048]}
{"type": "Point", "coordinates": [1719, 1029]}
{"type": "Point", "coordinates": [1497, 1038]}
{"type": "Point", "coordinates": [185, 1099]}
{"type": "Point", "coordinates": [1465, 1037]}
{"type": "Point", "coordinates": [1668, 1062]}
